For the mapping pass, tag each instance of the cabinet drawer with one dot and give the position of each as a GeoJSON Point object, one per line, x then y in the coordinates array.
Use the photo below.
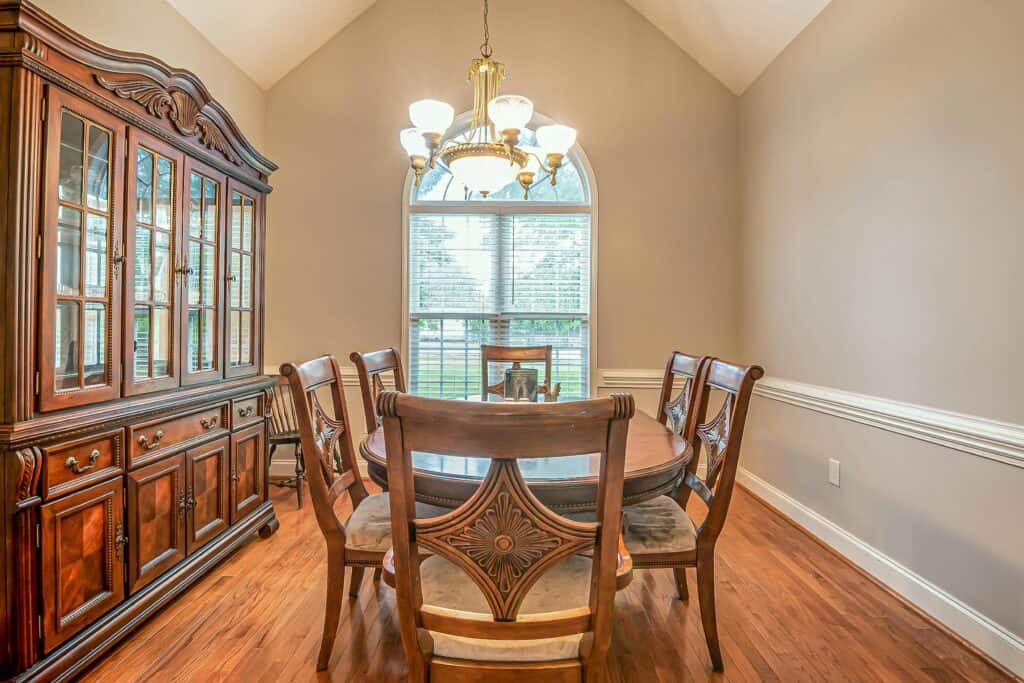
{"type": "Point", "coordinates": [148, 441]}
{"type": "Point", "coordinates": [73, 465]}
{"type": "Point", "coordinates": [246, 411]}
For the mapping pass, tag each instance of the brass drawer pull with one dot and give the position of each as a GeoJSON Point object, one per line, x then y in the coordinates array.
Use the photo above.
{"type": "Point", "coordinates": [150, 445]}
{"type": "Point", "coordinates": [246, 411]}
{"type": "Point", "coordinates": [72, 462]}
{"type": "Point", "coordinates": [209, 422]}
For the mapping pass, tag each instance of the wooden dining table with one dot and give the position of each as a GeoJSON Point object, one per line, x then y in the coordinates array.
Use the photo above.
{"type": "Point", "coordinates": [655, 460]}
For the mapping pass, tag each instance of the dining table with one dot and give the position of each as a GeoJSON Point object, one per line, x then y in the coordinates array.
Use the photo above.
{"type": "Point", "coordinates": [655, 462]}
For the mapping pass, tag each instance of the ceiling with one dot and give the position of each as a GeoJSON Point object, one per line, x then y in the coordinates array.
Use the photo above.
{"type": "Point", "coordinates": [268, 38]}
{"type": "Point", "coordinates": [733, 39]}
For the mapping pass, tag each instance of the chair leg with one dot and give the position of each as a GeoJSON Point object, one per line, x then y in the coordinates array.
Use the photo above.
{"type": "Point", "coordinates": [355, 581]}
{"type": "Point", "coordinates": [376, 574]}
{"type": "Point", "coordinates": [332, 611]}
{"type": "Point", "coordinates": [708, 618]}
{"type": "Point", "coordinates": [300, 474]}
{"type": "Point", "coordinates": [681, 587]}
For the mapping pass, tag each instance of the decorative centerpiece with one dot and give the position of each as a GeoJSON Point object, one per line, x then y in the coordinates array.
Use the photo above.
{"type": "Point", "coordinates": [521, 384]}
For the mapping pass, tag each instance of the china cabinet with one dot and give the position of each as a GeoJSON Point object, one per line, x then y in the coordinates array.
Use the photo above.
{"type": "Point", "coordinates": [133, 411]}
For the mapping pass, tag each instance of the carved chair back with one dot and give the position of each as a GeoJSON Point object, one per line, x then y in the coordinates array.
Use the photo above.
{"type": "Point", "coordinates": [371, 366]}
{"type": "Point", "coordinates": [684, 374]}
{"type": "Point", "coordinates": [282, 411]}
{"type": "Point", "coordinates": [503, 537]}
{"type": "Point", "coordinates": [720, 438]}
{"type": "Point", "coordinates": [516, 355]}
{"type": "Point", "coordinates": [326, 438]}
{"type": "Point", "coordinates": [676, 412]}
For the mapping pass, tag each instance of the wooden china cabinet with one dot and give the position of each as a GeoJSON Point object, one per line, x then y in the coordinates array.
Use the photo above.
{"type": "Point", "coordinates": [133, 414]}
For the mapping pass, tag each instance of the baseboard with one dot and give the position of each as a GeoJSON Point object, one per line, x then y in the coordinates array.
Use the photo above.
{"type": "Point", "coordinates": [1003, 648]}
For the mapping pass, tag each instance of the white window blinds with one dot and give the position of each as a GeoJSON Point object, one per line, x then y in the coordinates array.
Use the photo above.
{"type": "Point", "coordinates": [507, 279]}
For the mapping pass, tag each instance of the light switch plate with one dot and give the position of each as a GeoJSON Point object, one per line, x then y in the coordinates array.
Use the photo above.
{"type": "Point", "coordinates": [833, 472]}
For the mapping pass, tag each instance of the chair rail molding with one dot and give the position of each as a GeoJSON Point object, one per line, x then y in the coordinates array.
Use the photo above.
{"type": "Point", "coordinates": [999, 441]}
{"type": "Point", "coordinates": [349, 376]}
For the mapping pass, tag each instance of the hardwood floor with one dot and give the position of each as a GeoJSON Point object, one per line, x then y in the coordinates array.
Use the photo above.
{"type": "Point", "coordinates": [788, 610]}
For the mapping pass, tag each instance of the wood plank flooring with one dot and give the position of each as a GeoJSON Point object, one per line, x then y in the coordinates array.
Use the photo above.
{"type": "Point", "coordinates": [789, 610]}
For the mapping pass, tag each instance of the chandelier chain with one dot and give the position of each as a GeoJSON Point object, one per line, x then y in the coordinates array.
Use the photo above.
{"type": "Point", "coordinates": [485, 47]}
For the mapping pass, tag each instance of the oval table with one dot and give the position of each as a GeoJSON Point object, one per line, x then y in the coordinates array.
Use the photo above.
{"type": "Point", "coordinates": [655, 459]}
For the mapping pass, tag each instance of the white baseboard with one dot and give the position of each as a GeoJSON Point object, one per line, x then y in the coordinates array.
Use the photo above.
{"type": "Point", "coordinates": [988, 636]}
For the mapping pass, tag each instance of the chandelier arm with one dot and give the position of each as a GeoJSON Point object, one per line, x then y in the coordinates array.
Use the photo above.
{"type": "Point", "coordinates": [540, 162]}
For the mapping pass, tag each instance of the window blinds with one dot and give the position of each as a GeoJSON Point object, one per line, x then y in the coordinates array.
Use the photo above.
{"type": "Point", "coordinates": [507, 279]}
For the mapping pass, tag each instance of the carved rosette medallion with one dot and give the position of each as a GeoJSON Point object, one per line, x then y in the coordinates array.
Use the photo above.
{"type": "Point", "coordinates": [504, 542]}
{"type": "Point", "coordinates": [715, 436]}
{"type": "Point", "coordinates": [176, 106]}
{"type": "Point", "coordinates": [327, 432]}
{"type": "Point", "coordinates": [677, 407]}
{"type": "Point", "coordinates": [504, 538]}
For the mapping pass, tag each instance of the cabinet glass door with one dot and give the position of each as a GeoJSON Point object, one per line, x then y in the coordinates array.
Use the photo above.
{"type": "Point", "coordinates": [154, 189]}
{"type": "Point", "coordinates": [201, 266]}
{"type": "Point", "coordinates": [82, 255]}
{"type": "Point", "coordinates": [243, 280]}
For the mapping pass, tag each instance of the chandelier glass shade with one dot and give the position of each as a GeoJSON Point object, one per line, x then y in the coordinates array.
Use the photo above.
{"type": "Point", "coordinates": [491, 158]}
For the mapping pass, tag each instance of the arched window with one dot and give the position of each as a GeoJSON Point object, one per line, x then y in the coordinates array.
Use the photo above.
{"type": "Point", "coordinates": [501, 269]}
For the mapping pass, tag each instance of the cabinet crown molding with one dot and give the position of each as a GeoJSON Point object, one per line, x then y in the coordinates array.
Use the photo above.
{"type": "Point", "coordinates": [31, 37]}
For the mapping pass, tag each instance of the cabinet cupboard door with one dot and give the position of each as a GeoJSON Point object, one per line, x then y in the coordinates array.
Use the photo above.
{"type": "Point", "coordinates": [244, 281]}
{"type": "Point", "coordinates": [207, 492]}
{"type": "Point", "coordinates": [157, 506]}
{"type": "Point", "coordinates": [82, 573]}
{"type": "Point", "coordinates": [154, 180]}
{"type": "Point", "coordinates": [248, 468]}
{"type": "Point", "coordinates": [80, 281]}
{"type": "Point", "coordinates": [202, 309]}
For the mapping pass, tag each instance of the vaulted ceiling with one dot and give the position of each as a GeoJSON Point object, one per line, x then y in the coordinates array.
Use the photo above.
{"type": "Point", "coordinates": [733, 39]}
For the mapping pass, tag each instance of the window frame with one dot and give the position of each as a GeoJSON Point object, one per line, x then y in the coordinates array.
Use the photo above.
{"type": "Point", "coordinates": [578, 158]}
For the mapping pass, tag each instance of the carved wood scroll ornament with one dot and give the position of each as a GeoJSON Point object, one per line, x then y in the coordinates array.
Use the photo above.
{"type": "Point", "coordinates": [176, 106]}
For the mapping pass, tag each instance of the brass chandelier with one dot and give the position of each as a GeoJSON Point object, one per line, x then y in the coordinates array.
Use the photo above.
{"type": "Point", "coordinates": [491, 157]}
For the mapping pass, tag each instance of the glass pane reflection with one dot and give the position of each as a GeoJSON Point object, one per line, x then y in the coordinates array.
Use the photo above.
{"type": "Point", "coordinates": [65, 357]}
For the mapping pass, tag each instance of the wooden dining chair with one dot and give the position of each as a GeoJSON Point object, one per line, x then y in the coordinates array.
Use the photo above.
{"type": "Point", "coordinates": [331, 470]}
{"type": "Point", "coordinates": [682, 371]}
{"type": "Point", "coordinates": [371, 366]}
{"type": "Point", "coordinates": [502, 588]}
{"type": "Point", "coordinates": [516, 355]}
{"type": "Point", "coordinates": [284, 431]}
{"type": "Point", "coordinates": [660, 533]}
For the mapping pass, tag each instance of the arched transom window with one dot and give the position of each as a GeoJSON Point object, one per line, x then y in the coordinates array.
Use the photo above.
{"type": "Point", "coordinates": [501, 269]}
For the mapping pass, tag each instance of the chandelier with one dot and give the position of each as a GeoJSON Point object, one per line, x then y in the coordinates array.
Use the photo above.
{"type": "Point", "coordinates": [491, 156]}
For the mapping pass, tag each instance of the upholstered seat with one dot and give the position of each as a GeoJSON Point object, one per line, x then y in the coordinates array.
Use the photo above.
{"type": "Point", "coordinates": [564, 586]}
{"type": "Point", "coordinates": [369, 527]}
{"type": "Point", "coordinates": [657, 526]}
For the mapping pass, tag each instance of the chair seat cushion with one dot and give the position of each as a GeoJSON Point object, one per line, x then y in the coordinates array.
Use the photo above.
{"type": "Point", "coordinates": [564, 586]}
{"type": "Point", "coordinates": [657, 526]}
{"type": "Point", "coordinates": [369, 526]}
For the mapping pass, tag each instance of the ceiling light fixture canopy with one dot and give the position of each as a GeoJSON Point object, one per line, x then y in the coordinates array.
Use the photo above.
{"type": "Point", "coordinates": [491, 158]}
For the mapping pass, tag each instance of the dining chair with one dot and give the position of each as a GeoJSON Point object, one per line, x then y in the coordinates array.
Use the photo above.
{"type": "Point", "coordinates": [284, 431]}
{"type": "Point", "coordinates": [502, 588]}
{"type": "Point", "coordinates": [660, 533]}
{"type": "Point", "coordinates": [331, 470]}
{"type": "Point", "coordinates": [516, 355]}
{"type": "Point", "coordinates": [371, 366]}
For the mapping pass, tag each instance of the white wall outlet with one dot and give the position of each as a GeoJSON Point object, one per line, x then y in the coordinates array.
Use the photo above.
{"type": "Point", "coordinates": [833, 472]}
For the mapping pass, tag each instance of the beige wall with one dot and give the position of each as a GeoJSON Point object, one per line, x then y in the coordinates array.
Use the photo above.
{"type": "Point", "coordinates": [659, 131]}
{"type": "Point", "coordinates": [155, 28]}
{"type": "Point", "coordinates": [882, 156]}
